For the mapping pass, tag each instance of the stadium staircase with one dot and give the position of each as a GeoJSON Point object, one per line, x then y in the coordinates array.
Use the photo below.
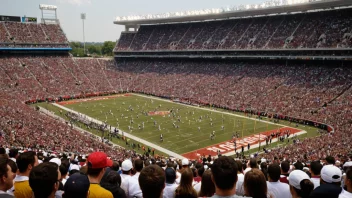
{"type": "Point", "coordinates": [267, 43]}
{"type": "Point", "coordinates": [106, 77]}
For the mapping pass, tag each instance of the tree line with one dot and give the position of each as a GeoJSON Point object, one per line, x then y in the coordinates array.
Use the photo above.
{"type": "Point", "coordinates": [92, 49]}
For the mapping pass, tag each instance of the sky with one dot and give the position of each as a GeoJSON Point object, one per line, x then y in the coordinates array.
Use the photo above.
{"type": "Point", "coordinates": [100, 14]}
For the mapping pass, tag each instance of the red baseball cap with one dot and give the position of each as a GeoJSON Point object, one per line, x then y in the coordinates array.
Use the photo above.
{"type": "Point", "coordinates": [98, 160]}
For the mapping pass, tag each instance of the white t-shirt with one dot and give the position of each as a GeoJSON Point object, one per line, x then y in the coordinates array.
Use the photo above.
{"type": "Point", "coordinates": [169, 190]}
{"type": "Point", "coordinates": [345, 194]}
{"type": "Point", "coordinates": [133, 186]}
{"type": "Point", "coordinates": [279, 190]}
{"type": "Point", "coordinates": [316, 182]}
{"type": "Point", "coordinates": [239, 184]}
{"type": "Point", "coordinates": [198, 186]}
{"type": "Point", "coordinates": [246, 170]}
{"type": "Point", "coordinates": [124, 182]}
{"type": "Point", "coordinates": [178, 177]}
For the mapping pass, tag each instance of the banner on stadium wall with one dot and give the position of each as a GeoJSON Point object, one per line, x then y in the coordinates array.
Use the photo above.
{"type": "Point", "coordinates": [10, 18]}
{"type": "Point", "coordinates": [29, 19]}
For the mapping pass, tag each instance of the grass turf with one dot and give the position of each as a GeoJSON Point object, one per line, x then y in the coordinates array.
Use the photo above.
{"type": "Point", "coordinates": [180, 140]}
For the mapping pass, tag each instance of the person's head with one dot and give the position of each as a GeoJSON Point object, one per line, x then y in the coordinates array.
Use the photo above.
{"type": "Point", "coordinates": [253, 163]}
{"type": "Point", "coordinates": [255, 184]}
{"type": "Point", "coordinates": [152, 181]}
{"type": "Point", "coordinates": [298, 165]}
{"type": "Point", "coordinates": [348, 180]}
{"type": "Point", "coordinates": [77, 186]}
{"type": "Point", "coordinates": [74, 169]}
{"type": "Point", "coordinates": [300, 184]}
{"type": "Point", "coordinates": [239, 166]}
{"type": "Point", "coordinates": [185, 187]}
{"type": "Point", "coordinates": [111, 180]}
{"type": "Point", "coordinates": [26, 162]}
{"type": "Point", "coordinates": [13, 166]}
{"type": "Point", "coordinates": [97, 163]}
{"type": "Point", "coordinates": [126, 167]}
{"type": "Point", "coordinates": [207, 188]}
{"type": "Point", "coordinates": [224, 174]}
{"type": "Point", "coordinates": [330, 175]}
{"type": "Point", "coordinates": [315, 168]}
{"type": "Point", "coordinates": [170, 175]}
{"type": "Point", "coordinates": [186, 177]}
{"type": "Point", "coordinates": [285, 167]}
{"type": "Point", "coordinates": [6, 175]}
{"type": "Point", "coordinates": [200, 171]}
{"type": "Point", "coordinates": [274, 172]}
{"type": "Point", "coordinates": [63, 169]}
{"type": "Point", "coordinates": [44, 180]}
{"type": "Point", "coordinates": [330, 160]}
{"type": "Point", "coordinates": [185, 163]}
{"type": "Point", "coordinates": [13, 153]}
{"type": "Point", "coordinates": [138, 165]}
{"type": "Point", "coordinates": [115, 166]}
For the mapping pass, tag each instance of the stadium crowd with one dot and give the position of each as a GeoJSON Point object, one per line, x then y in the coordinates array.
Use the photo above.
{"type": "Point", "coordinates": [27, 173]}
{"type": "Point", "coordinates": [323, 29]}
{"type": "Point", "coordinates": [32, 35]}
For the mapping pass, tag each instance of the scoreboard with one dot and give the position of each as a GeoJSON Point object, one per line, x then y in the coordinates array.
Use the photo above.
{"type": "Point", "coordinates": [29, 20]}
{"type": "Point", "coordinates": [10, 18]}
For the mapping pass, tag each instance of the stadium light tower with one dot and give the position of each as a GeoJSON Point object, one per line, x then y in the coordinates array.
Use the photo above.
{"type": "Point", "coordinates": [83, 17]}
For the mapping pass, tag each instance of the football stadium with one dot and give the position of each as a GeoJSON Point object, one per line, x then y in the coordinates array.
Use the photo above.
{"type": "Point", "coordinates": [213, 92]}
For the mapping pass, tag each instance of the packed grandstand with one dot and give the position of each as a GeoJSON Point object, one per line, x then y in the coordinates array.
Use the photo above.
{"type": "Point", "coordinates": [302, 90]}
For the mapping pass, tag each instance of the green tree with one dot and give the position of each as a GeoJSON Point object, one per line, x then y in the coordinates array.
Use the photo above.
{"type": "Point", "coordinates": [108, 47]}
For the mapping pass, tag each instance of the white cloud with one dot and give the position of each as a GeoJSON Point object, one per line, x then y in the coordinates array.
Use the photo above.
{"type": "Point", "coordinates": [75, 2]}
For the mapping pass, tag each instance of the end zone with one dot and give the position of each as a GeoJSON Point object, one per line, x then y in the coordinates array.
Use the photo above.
{"type": "Point", "coordinates": [227, 148]}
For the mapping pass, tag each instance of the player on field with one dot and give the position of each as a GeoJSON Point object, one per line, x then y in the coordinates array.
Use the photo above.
{"type": "Point", "coordinates": [161, 138]}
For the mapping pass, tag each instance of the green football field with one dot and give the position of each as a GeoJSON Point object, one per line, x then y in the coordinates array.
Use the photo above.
{"type": "Point", "coordinates": [185, 128]}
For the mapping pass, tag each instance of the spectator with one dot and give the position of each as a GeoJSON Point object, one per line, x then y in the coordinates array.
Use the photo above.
{"type": "Point", "coordinates": [97, 163]}
{"type": "Point", "coordinates": [111, 181]}
{"type": "Point", "coordinates": [13, 166]}
{"type": "Point", "coordinates": [347, 193]}
{"type": "Point", "coordinates": [77, 186]}
{"type": "Point", "coordinates": [207, 189]}
{"type": "Point", "coordinates": [251, 164]}
{"type": "Point", "coordinates": [240, 179]}
{"type": "Point", "coordinates": [44, 180]}
{"type": "Point", "coordinates": [330, 160]}
{"type": "Point", "coordinates": [224, 175]}
{"type": "Point", "coordinates": [264, 169]}
{"type": "Point", "coordinates": [200, 171]}
{"type": "Point", "coordinates": [115, 166]}
{"type": "Point", "coordinates": [152, 181]}
{"type": "Point", "coordinates": [134, 191]}
{"type": "Point", "coordinates": [255, 184]}
{"type": "Point", "coordinates": [169, 191]}
{"type": "Point", "coordinates": [275, 187]}
{"type": "Point", "coordinates": [185, 189]}
{"type": "Point", "coordinates": [13, 154]}
{"type": "Point", "coordinates": [285, 167]}
{"type": "Point", "coordinates": [298, 166]}
{"type": "Point", "coordinates": [300, 184]}
{"type": "Point", "coordinates": [330, 182]}
{"type": "Point", "coordinates": [7, 176]}
{"type": "Point", "coordinates": [126, 168]}
{"type": "Point", "coordinates": [315, 168]}
{"type": "Point", "coordinates": [25, 163]}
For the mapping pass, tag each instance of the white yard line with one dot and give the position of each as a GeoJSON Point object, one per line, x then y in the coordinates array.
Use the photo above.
{"type": "Point", "coordinates": [125, 134]}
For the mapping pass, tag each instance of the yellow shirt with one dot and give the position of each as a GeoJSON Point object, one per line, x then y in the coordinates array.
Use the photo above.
{"type": "Point", "coordinates": [22, 189]}
{"type": "Point", "coordinates": [96, 191]}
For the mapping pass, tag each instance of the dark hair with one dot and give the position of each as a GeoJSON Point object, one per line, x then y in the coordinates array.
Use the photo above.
{"type": "Point", "coordinates": [316, 167]}
{"type": "Point", "coordinates": [274, 172]}
{"type": "Point", "coordinates": [63, 169]}
{"type": "Point", "coordinates": [138, 165]}
{"type": "Point", "coordinates": [349, 174]}
{"type": "Point", "coordinates": [253, 163]}
{"type": "Point", "coordinates": [200, 171]}
{"type": "Point", "coordinates": [42, 179]}
{"type": "Point", "coordinates": [3, 167]}
{"type": "Point", "coordinates": [185, 189]}
{"type": "Point", "coordinates": [224, 171]}
{"type": "Point", "coordinates": [207, 188]}
{"type": "Point", "coordinates": [2, 150]}
{"type": "Point", "coordinates": [285, 166]}
{"type": "Point", "coordinates": [330, 160]}
{"type": "Point", "coordinates": [13, 166]}
{"type": "Point", "coordinates": [239, 165]}
{"type": "Point", "coordinates": [24, 160]}
{"type": "Point", "coordinates": [255, 184]}
{"type": "Point", "coordinates": [13, 152]}
{"type": "Point", "coordinates": [111, 181]}
{"type": "Point", "coordinates": [171, 177]}
{"type": "Point", "coordinates": [306, 188]}
{"type": "Point", "coordinates": [94, 172]}
{"type": "Point", "coordinates": [298, 165]}
{"type": "Point", "coordinates": [264, 169]}
{"type": "Point", "coordinates": [152, 181]}
{"type": "Point", "coordinates": [115, 166]}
